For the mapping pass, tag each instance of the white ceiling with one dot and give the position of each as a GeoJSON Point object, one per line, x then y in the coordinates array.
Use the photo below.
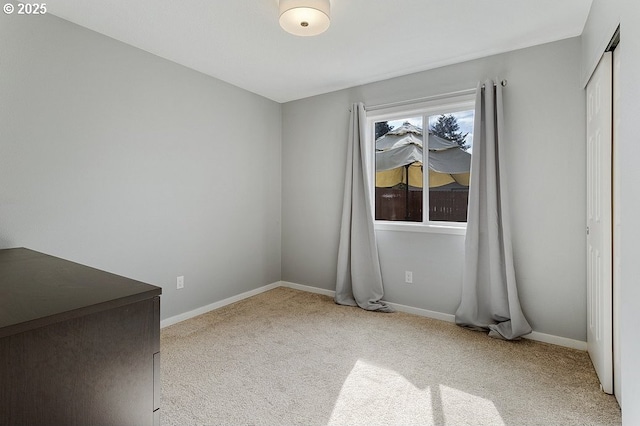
{"type": "Point", "coordinates": [240, 41]}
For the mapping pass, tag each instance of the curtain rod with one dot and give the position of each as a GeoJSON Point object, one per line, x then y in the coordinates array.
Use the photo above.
{"type": "Point", "coordinates": [503, 83]}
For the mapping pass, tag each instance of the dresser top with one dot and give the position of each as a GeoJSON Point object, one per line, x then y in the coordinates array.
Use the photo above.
{"type": "Point", "coordinates": [37, 290]}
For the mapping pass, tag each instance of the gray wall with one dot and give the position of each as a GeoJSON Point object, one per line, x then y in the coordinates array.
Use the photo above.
{"type": "Point", "coordinates": [604, 17]}
{"type": "Point", "coordinates": [118, 159]}
{"type": "Point", "coordinates": [546, 171]}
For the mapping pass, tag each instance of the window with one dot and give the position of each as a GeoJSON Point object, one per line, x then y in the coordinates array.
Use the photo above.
{"type": "Point", "coordinates": [403, 169]}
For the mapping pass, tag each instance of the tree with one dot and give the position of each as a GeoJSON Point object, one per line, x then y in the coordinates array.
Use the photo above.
{"type": "Point", "coordinates": [447, 127]}
{"type": "Point", "coordinates": [382, 128]}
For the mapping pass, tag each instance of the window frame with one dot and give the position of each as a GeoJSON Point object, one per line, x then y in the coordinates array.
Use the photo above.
{"type": "Point", "coordinates": [425, 109]}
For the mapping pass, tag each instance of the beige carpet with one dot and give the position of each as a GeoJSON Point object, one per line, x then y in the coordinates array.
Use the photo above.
{"type": "Point", "coordinates": [287, 357]}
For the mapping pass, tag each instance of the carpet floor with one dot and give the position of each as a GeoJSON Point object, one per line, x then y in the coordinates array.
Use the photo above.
{"type": "Point", "coordinates": [287, 357]}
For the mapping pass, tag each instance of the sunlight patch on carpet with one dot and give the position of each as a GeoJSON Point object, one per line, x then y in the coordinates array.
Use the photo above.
{"type": "Point", "coordinates": [372, 394]}
{"type": "Point", "coordinates": [462, 408]}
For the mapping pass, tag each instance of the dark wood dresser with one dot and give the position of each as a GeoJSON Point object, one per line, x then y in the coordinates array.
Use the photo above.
{"type": "Point", "coordinates": [78, 346]}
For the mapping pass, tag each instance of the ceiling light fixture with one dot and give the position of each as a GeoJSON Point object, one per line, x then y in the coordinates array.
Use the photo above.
{"type": "Point", "coordinates": [305, 17]}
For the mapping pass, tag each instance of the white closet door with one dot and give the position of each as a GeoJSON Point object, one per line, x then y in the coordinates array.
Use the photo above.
{"type": "Point", "coordinates": [599, 232]}
{"type": "Point", "coordinates": [617, 298]}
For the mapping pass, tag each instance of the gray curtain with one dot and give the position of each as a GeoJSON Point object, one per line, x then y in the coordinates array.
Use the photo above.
{"type": "Point", "coordinates": [359, 281]}
{"type": "Point", "coordinates": [489, 293]}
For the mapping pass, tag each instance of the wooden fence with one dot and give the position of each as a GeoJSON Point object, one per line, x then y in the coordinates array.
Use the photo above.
{"type": "Point", "coordinates": [449, 206]}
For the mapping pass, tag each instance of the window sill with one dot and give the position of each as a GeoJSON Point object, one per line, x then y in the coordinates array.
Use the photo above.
{"type": "Point", "coordinates": [449, 228]}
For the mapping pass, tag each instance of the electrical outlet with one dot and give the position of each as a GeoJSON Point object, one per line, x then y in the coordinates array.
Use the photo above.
{"type": "Point", "coordinates": [408, 277]}
{"type": "Point", "coordinates": [180, 282]}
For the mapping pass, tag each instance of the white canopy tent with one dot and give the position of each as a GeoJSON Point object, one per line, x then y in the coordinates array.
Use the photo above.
{"type": "Point", "coordinates": [399, 157]}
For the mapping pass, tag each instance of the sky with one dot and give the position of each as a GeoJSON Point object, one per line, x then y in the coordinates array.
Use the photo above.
{"type": "Point", "coordinates": [465, 121]}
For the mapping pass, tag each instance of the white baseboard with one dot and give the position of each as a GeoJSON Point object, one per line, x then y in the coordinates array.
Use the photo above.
{"type": "Point", "coordinates": [557, 340]}
{"type": "Point", "coordinates": [308, 289]}
{"type": "Point", "coordinates": [217, 305]}
{"type": "Point", "coordinates": [396, 306]}
{"type": "Point", "coordinates": [540, 337]}
{"type": "Point", "coordinates": [423, 312]}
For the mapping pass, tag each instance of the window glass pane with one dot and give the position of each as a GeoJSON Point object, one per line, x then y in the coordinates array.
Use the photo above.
{"type": "Point", "coordinates": [450, 145]}
{"type": "Point", "coordinates": [399, 178]}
